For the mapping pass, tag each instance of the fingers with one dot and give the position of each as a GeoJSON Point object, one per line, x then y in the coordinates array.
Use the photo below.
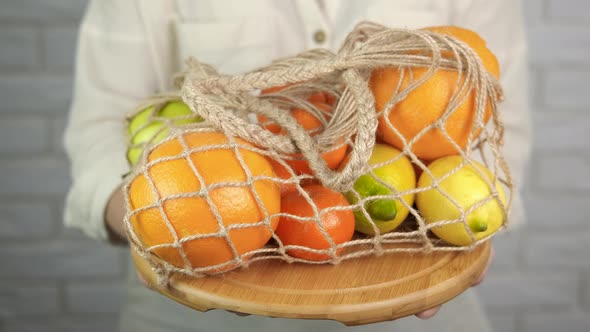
{"type": "Point", "coordinates": [428, 313]}
{"type": "Point", "coordinates": [481, 277]}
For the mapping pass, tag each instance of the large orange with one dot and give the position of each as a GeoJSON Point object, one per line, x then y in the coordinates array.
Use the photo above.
{"type": "Point", "coordinates": [424, 105]}
{"type": "Point", "coordinates": [194, 215]}
{"type": "Point", "coordinates": [292, 230]}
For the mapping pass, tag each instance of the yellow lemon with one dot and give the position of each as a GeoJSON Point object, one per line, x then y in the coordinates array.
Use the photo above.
{"type": "Point", "coordinates": [467, 187]}
{"type": "Point", "coordinates": [387, 214]}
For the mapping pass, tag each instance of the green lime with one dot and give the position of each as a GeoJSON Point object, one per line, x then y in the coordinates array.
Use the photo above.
{"type": "Point", "coordinates": [385, 213]}
{"type": "Point", "coordinates": [378, 209]}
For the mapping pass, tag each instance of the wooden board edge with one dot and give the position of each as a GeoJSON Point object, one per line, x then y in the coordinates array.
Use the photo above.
{"type": "Point", "coordinates": [349, 314]}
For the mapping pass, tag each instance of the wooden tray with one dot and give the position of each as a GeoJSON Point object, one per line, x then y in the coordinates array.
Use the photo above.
{"type": "Point", "coordinates": [357, 291]}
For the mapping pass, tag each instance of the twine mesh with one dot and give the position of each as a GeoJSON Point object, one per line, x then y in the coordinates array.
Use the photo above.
{"type": "Point", "coordinates": [228, 103]}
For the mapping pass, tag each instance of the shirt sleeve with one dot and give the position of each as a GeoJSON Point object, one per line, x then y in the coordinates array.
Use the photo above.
{"type": "Point", "coordinates": [501, 24]}
{"type": "Point", "coordinates": [114, 72]}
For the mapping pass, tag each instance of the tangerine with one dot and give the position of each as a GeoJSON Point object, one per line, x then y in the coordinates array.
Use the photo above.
{"type": "Point", "coordinates": [426, 104]}
{"type": "Point", "coordinates": [293, 230]}
{"type": "Point", "coordinates": [190, 205]}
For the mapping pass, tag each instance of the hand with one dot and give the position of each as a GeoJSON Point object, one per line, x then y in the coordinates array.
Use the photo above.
{"type": "Point", "coordinates": [114, 215]}
{"type": "Point", "coordinates": [432, 311]}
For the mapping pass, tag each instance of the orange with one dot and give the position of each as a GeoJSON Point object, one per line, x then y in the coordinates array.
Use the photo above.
{"type": "Point", "coordinates": [194, 215]}
{"type": "Point", "coordinates": [424, 105]}
{"type": "Point", "coordinates": [322, 97]}
{"type": "Point", "coordinates": [277, 88]}
{"type": "Point", "coordinates": [313, 125]}
{"type": "Point", "coordinates": [339, 224]}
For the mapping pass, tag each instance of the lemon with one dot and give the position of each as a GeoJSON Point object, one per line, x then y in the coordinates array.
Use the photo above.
{"type": "Point", "coordinates": [386, 214]}
{"type": "Point", "coordinates": [467, 187]}
{"type": "Point", "coordinates": [144, 129]}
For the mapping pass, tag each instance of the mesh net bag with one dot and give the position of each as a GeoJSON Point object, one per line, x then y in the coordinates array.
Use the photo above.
{"type": "Point", "coordinates": [207, 191]}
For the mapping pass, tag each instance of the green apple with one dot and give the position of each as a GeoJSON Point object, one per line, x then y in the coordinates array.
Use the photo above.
{"type": "Point", "coordinates": [145, 127]}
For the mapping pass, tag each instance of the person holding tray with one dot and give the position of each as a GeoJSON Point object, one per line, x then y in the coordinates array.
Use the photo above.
{"type": "Point", "coordinates": [129, 50]}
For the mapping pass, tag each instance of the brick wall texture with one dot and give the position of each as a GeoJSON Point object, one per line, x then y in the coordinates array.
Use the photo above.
{"type": "Point", "coordinates": [55, 279]}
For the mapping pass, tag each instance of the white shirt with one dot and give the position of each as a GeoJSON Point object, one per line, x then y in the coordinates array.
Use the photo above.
{"type": "Point", "coordinates": [128, 50]}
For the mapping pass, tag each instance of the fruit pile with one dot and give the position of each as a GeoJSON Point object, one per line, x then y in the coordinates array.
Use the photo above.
{"type": "Point", "coordinates": [206, 202]}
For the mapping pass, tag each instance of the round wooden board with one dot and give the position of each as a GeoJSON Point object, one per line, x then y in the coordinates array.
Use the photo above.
{"type": "Point", "coordinates": [357, 291]}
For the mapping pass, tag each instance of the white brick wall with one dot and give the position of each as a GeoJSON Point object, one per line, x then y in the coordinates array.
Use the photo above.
{"type": "Point", "coordinates": [585, 290]}
{"type": "Point", "coordinates": [571, 127]}
{"type": "Point", "coordinates": [98, 297]}
{"type": "Point", "coordinates": [40, 176]}
{"type": "Point", "coordinates": [570, 212]}
{"type": "Point", "coordinates": [60, 259]}
{"type": "Point", "coordinates": [35, 92]}
{"type": "Point", "coordinates": [42, 11]}
{"type": "Point", "coordinates": [30, 219]}
{"type": "Point", "coordinates": [549, 287]}
{"type": "Point", "coordinates": [57, 39]}
{"type": "Point", "coordinates": [568, 10]}
{"type": "Point", "coordinates": [566, 87]}
{"type": "Point", "coordinates": [54, 279]}
{"type": "Point", "coordinates": [20, 299]}
{"type": "Point", "coordinates": [24, 135]}
{"type": "Point", "coordinates": [563, 249]}
{"type": "Point", "coordinates": [19, 47]}
{"type": "Point", "coordinates": [530, 291]}
{"type": "Point", "coordinates": [561, 172]}
{"type": "Point", "coordinates": [503, 322]}
{"type": "Point", "coordinates": [61, 323]}
{"type": "Point", "coordinates": [570, 322]}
